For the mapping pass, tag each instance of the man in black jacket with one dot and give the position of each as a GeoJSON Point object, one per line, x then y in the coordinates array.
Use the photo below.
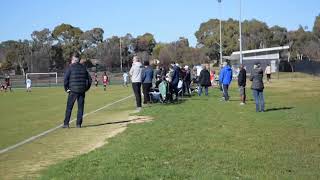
{"type": "Point", "coordinates": [77, 81]}
{"type": "Point", "coordinates": [242, 79]}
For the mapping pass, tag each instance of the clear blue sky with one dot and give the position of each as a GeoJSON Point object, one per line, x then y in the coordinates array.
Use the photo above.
{"type": "Point", "coordinates": [166, 19]}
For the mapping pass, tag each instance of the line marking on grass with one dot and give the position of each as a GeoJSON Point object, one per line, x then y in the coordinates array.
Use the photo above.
{"type": "Point", "coordinates": [58, 127]}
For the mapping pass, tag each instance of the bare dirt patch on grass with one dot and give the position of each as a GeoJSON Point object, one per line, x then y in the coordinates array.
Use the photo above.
{"type": "Point", "coordinates": [27, 161]}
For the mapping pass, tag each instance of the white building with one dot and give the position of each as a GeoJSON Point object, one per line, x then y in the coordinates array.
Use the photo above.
{"type": "Point", "coordinates": [264, 56]}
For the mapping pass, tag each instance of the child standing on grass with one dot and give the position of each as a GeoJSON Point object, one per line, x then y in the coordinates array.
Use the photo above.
{"type": "Point", "coordinates": [96, 79]}
{"type": "Point", "coordinates": [268, 73]}
{"type": "Point", "coordinates": [7, 84]}
{"type": "Point", "coordinates": [242, 80]}
{"type": "Point", "coordinates": [125, 79]}
{"type": "Point", "coordinates": [28, 84]}
{"type": "Point", "coordinates": [105, 80]}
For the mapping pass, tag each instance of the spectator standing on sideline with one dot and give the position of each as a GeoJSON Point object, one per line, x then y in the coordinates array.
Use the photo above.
{"type": "Point", "coordinates": [187, 80]}
{"type": "Point", "coordinates": [28, 84]}
{"type": "Point", "coordinates": [77, 81]}
{"type": "Point", "coordinates": [242, 80]}
{"type": "Point", "coordinates": [225, 79]}
{"type": "Point", "coordinates": [147, 76]}
{"type": "Point", "coordinates": [158, 76]}
{"type": "Point", "coordinates": [136, 73]}
{"type": "Point", "coordinates": [219, 82]}
{"type": "Point", "coordinates": [125, 79]}
{"type": "Point", "coordinates": [258, 87]}
{"type": "Point", "coordinates": [268, 73]}
{"type": "Point", "coordinates": [175, 80]}
{"type": "Point", "coordinates": [204, 80]}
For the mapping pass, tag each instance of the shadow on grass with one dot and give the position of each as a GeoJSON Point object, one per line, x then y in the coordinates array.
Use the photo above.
{"type": "Point", "coordinates": [108, 123]}
{"type": "Point", "coordinates": [180, 101]}
{"type": "Point", "coordinates": [238, 100]}
{"type": "Point", "coordinates": [279, 109]}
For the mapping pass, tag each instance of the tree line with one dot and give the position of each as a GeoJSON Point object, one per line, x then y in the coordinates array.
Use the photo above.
{"type": "Point", "coordinates": [50, 50]}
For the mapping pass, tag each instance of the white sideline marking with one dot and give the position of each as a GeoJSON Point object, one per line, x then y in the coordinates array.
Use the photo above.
{"type": "Point", "coordinates": [55, 128]}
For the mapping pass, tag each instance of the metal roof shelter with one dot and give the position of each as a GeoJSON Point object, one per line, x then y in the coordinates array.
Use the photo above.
{"type": "Point", "coordinates": [264, 56]}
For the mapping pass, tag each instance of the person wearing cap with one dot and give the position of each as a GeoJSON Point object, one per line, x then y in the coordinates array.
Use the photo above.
{"type": "Point", "coordinates": [225, 79]}
{"type": "Point", "coordinates": [242, 79]}
{"type": "Point", "coordinates": [258, 87]}
{"type": "Point", "coordinates": [77, 81]}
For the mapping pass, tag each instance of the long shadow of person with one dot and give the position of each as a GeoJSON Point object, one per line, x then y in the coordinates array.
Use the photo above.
{"type": "Point", "coordinates": [108, 123]}
{"type": "Point", "coordinates": [279, 109]}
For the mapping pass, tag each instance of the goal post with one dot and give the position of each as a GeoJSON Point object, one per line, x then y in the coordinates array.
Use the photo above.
{"type": "Point", "coordinates": [28, 75]}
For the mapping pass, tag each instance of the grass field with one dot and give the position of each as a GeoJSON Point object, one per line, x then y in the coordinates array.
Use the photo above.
{"type": "Point", "coordinates": [27, 114]}
{"type": "Point", "coordinates": [200, 138]}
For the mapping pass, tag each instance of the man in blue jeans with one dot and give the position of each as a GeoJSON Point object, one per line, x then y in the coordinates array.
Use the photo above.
{"type": "Point", "coordinates": [77, 81]}
{"type": "Point", "coordinates": [225, 79]}
{"type": "Point", "coordinates": [257, 87]}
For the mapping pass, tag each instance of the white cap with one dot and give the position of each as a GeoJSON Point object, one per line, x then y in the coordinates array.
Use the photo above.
{"type": "Point", "coordinates": [186, 67]}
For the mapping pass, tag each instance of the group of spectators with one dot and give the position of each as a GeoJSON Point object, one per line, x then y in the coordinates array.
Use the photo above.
{"type": "Point", "coordinates": [143, 75]}
{"type": "Point", "coordinates": [180, 79]}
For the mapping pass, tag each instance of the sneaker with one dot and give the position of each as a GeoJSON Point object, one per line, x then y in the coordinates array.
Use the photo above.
{"type": "Point", "coordinates": [78, 126]}
{"type": "Point", "coordinates": [241, 104]}
{"type": "Point", "coordinates": [65, 126]}
{"type": "Point", "coordinates": [139, 109]}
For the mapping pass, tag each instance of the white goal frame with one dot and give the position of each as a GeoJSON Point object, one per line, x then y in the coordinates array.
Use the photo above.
{"type": "Point", "coordinates": [55, 73]}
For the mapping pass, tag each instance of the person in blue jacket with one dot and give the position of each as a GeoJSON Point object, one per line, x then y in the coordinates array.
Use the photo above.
{"type": "Point", "coordinates": [146, 79]}
{"type": "Point", "coordinates": [225, 79]}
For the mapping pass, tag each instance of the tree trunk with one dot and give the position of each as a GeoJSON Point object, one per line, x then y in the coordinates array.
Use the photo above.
{"type": "Point", "coordinates": [20, 63]}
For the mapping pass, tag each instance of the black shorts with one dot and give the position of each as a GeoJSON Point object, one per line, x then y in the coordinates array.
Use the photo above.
{"type": "Point", "coordinates": [268, 76]}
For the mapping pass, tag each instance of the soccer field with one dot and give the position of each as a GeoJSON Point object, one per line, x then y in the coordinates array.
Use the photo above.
{"type": "Point", "coordinates": [203, 138]}
{"type": "Point", "coordinates": [27, 114]}
{"type": "Point", "coordinates": [200, 138]}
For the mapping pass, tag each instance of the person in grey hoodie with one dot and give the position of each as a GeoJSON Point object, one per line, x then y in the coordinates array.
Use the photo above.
{"type": "Point", "coordinates": [136, 74]}
{"type": "Point", "coordinates": [257, 87]}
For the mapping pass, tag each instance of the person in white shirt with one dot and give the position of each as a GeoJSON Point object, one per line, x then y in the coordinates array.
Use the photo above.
{"type": "Point", "coordinates": [268, 73]}
{"type": "Point", "coordinates": [28, 84]}
{"type": "Point", "coordinates": [136, 74]}
{"type": "Point", "coordinates": [125, 79]}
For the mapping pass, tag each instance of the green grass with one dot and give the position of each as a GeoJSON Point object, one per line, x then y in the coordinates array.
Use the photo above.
{"type": "Point", "coordinates": [202, 138]}
{"type": "Point", "coordinates": [27, 114]}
